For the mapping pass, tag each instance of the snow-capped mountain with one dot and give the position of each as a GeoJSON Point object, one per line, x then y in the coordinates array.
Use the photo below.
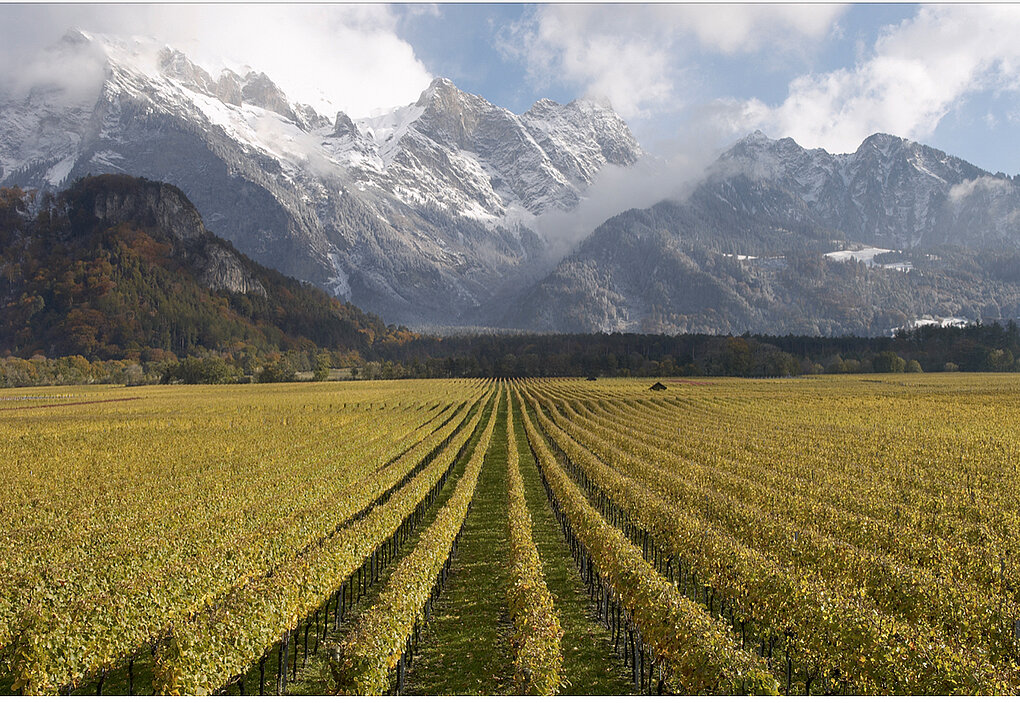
{"type": "Point", "coordinates": [782, 239]}
{"type": "Point", "coordinates": [421, 215]}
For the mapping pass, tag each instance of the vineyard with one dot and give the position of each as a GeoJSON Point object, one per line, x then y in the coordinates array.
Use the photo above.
{"type": "Point", "coordinates": [801, 536]}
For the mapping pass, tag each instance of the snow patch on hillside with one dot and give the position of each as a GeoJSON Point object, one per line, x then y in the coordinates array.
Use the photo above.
{"type": "Point", "coordinates": [387, 130]}
{"type": "Point", "coordinates": [339, 284]}
{"type": "Point", "coordinates": [933, 321]}
{"type": "Point", "coordinates": [57, 174]}
{"type": "Point", "coordinates": [867, 256]}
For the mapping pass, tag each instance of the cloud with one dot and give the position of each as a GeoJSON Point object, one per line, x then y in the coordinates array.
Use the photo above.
{"type": "Point", "coordinates": [987, 184]}
{"type": "Point", "coordinates": [345, 57]}
{"type": "Point", "coordinates": [915, 74]}
{"type": "Point", "coordinates": [68, 74]}
{"type": "Point", "coordinates": [734, 29]}
{"type": "Point", "coordinates": [635, 55]}
{"type": "Point", "coordinates": [614, 190]}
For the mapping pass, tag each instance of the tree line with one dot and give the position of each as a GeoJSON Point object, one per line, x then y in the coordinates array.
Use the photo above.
{"type": "Point", "coordinates": [993, 347]}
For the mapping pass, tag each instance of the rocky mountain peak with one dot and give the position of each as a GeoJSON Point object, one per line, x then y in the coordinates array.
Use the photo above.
{"type": "Point", "coordinates": [755, 139]}
{"type": "Point", "coordinates": [309, 119]}
{"type": "Point", "coordinates": [451, 116]}
{"type": "Point", "coordinates": [883, 143]}
{"type": "Point", "coordinates": [543, 106]}
{"type": "Point", "coordinates": [343, 126]}
{"type": "Point", "coordinates": [757, 144]}
{"type": "Point", "coordinates": [260, 91]}
{"type": "Point", "coordinates": [75, 37]}
{"type": "Point", "coordinates": [441, 90]}
{"type": "Point", "coordinates": [441, 84]}
{"type": "Point", "coordinates": [229, 88]}
{"type": "Point", "coordinates": [174, 64]}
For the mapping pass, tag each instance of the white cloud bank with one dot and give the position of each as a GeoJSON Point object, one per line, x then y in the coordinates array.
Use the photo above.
{"type": "Point", "coordinates": [916, 73]}
{"type": "Point", "coordinates": [643, 60]}
{"type": "Point", "coordinates": [333, 57]}
{"type": "Point", "coordinates": [634, 55]}
{"type": "Point", "coordinates": [987, 184]}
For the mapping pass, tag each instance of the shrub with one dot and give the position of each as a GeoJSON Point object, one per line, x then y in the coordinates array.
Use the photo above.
{"type": "Point", "coordinates": [888, 362]}
{"type": "Point", "coordinates": [196, 370]}
{"type": "Point", "coordinates": [279, 371]}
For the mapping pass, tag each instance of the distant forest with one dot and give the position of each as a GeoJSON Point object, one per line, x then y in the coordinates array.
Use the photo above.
{"type": "Point", "coordinates": [994, 347]}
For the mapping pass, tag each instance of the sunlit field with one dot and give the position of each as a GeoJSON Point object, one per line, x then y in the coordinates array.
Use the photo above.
{"type": "Point", "coordinates": [837, 534]}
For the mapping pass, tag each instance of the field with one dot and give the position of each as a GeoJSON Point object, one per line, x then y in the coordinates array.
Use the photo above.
{"type": "Point", "coordinates": [852, 535]}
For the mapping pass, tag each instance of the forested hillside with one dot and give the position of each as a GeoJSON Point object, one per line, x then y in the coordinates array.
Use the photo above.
{"type": "Point", "coordinates": [121, 267]}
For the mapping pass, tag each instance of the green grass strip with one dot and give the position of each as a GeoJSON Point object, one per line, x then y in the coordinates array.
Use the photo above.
{"type": "Point", "coordinates": [465, 648]}
{"type": "Point", "coordinates": [537, 631]}
{"type": "Point", "coordinates": [590, 666]}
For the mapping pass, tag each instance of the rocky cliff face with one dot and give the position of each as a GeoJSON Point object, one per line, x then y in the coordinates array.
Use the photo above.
{"type": "Point", "coordinates": [144, 203]}
{"type": "Point", "coordinates": [163, 211]}
{"type": "Point", "coordinates": [421, 215]}
{"type": "Point", "coordinates": [220, 269]}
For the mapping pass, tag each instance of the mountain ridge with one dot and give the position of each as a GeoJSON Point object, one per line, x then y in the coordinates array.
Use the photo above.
{"type": "Point", "coordinates": [885, 174]}
{"type": "Point", "coordinates": [781, 239]}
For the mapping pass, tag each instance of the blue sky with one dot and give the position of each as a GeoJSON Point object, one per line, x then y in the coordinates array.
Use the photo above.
{"type": "Point", "coordinates": [687, 78]}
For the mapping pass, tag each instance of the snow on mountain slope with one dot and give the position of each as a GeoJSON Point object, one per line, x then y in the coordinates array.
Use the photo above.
{"type": "Point", "coordinates": [478, 160]}
{"type": "Point", "coordinates": [540, 160]}
{"type": "Point", "coordinates": [420, 214]}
